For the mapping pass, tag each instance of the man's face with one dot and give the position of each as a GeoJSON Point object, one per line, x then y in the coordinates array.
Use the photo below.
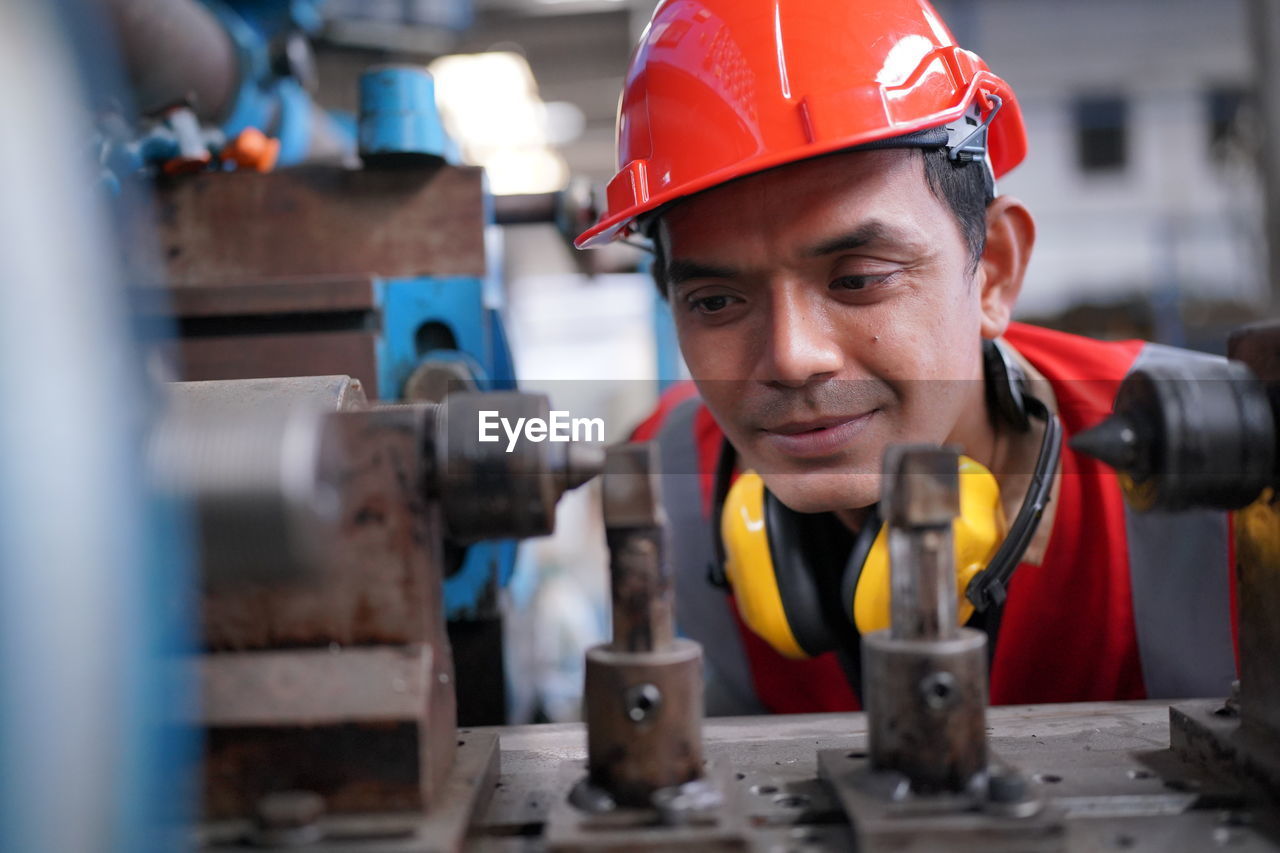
{"type": "Point", "coordinates": [827, 309]}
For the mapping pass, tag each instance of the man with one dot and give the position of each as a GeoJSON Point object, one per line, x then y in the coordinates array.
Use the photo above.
{"type": "Point", "coordinates": [818, 183]}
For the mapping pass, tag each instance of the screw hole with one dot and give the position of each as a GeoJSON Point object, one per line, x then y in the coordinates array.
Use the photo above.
{"type": "Point", "coordinates": [763, 790]}
{"type": "Point", "coordinates": [791, 801]}
{"type": "Point", "coordinates": [1047, 778]}
{"type": "Point", "coordinates": [856, 754]}
{"type": "Point", "coordinates": [1140, 774]}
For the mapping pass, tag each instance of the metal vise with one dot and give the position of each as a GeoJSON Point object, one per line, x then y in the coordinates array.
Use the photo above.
{"type": "Point", "coordinates": [327, 668]}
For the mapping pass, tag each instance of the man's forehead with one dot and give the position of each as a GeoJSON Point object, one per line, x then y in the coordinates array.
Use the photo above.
{"type": "Point", "coordinates": [881, 195]}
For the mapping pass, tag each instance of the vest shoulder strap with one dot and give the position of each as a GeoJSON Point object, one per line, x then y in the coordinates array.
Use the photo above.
{"type": "Point", "coordinates": [702, 611]}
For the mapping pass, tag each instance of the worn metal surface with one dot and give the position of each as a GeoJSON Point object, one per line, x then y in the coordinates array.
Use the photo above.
{"type": "Point", "coordinates": [644, 719]}
{"type": "Point", "coordinates": [465, 795]}
{"type": "Point", "coordinates": [252, 356]}
{"type": "Point", "coordinates": [503, 487]}
{"type": "Point", "coordinates": [382, 584]}
{"type": "Point", "coordinates": [640, 580]}
{"type": "Point", "coordinates": [335, 393]}
{"type": "Point", "coordinates": [1257, 540]}
{"type": "Point", "coordinates": [926, 701]}
{"type": "Point", "coordinates": [1105, 765]}
{"type": "Point", "coordinates": [885, 819]}
{"type": "Point", "coordinates": [323, 222]}
{"type": "Point", "coordinates": [1215, 737]}
{"type": "Point", "coordinates": [313, 687]}
{"type": "Point", "coordinates": [925, 678]}
{"type": "Point", "coordinates": [723, 828]}
{"type": "Point", "coordinates": [318, 295]}
{"type": "Point", "coordinates": [921, 498]}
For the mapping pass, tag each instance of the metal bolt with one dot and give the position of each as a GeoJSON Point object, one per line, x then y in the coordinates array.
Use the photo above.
{"type": "Point", "coordinates": [939, 690]}
{"type": "Point", "coordinates": [642, 701]}
{"type": "Point", "coordinates": [1006, 787]}
{"type": "Point", "coordinates": [691, 803]}
{"type": "Point", "coordinates": [288, 818]}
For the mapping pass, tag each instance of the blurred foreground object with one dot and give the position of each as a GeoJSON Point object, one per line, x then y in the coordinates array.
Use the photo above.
{"type": "Point", "coordinates": [327, 675]}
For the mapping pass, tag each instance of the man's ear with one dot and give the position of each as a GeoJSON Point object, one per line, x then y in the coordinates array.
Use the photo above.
{"type": "Point", "coordinates": [1011, 232]}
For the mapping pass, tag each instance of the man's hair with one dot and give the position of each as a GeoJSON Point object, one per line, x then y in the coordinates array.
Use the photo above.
{"type": "Point", "coordinates": [963, 187]}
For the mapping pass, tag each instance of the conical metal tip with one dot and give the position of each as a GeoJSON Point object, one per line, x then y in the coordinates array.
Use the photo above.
{"type": "Point", "coordinates": [1114, 442]}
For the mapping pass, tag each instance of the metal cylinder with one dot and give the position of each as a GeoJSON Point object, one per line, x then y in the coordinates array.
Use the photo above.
{"type": "Point", "coordinates": [1189, 433]}
{"type": "Point", "coordinates": [504, 487]}
{"type": "Point", "coordinates": [925, 679]}
{"type": "Point", "coordinates": [265, 513]}
{"type": "Point", "coordinates": [926, 706]}
{"type": "Point", "coordinates": [399, 122]}
{"type": "Point", "coordinates": [921, 499]}
{"type": "Point", "coordinates": [640, 577]}
{"type": "Point", "coordinates": [640, 588]}
{"type": "Point", "coordinates": [644, 720]}
{"type": "Point", "coordinates": [257, 459]}
{"type": "Point", "coordinates": [176, 52]}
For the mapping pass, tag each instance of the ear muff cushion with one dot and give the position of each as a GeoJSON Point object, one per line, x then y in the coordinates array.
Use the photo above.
{"type": "Point", "coordinates": [749, 565]}
{"type": "Point", "coordinates": [977, 531]}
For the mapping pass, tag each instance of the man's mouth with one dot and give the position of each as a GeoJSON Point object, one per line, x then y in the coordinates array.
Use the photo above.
{"type": "Point", "coordinates": [817, 437]}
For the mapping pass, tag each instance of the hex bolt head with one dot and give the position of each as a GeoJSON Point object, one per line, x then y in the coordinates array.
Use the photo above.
{"type": "Point", "coordinates": [642, 702]}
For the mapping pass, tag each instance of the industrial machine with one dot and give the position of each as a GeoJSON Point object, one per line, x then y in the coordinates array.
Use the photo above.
{"type": "Point", "coordinates": [374, 255]}
{"type": "Point", "coordinates": [307, 521]}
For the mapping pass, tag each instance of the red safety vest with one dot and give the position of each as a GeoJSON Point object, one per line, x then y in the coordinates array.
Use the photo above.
{"type": "Point", "coordinates": [1124, 605]}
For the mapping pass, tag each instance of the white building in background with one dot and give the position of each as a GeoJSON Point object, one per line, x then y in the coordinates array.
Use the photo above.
{"type": "Point", "coordinates": [1139, 174]}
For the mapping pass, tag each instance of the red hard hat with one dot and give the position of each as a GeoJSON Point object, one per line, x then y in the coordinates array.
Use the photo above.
{"type": "Point", "coordinates": [718, 89]}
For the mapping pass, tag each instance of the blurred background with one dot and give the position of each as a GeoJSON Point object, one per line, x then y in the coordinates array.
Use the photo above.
{"type": "Point", "coordinates": [1149, 174]}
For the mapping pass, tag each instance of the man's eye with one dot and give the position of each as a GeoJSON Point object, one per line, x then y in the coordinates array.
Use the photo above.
{"type": "Point", "coordinates": [857, 282]}
{"type": "Point", "coordinates": [710, 304]}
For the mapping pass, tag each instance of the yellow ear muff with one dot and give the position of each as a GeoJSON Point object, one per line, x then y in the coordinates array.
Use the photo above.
{"type": "Point", "coordinates": [978, 532]}
{"type": "Point", "coordinates": [749, 565]}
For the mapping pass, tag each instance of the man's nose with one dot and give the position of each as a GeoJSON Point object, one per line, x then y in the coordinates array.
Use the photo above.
{"type": "Point", "coordinates": [801, 346]}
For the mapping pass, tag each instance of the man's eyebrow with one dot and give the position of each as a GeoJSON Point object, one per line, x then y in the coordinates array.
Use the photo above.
{"type": "Point", "coordinates": [860, 237]}
{"type": "Point", "coordinates": [680, 271]}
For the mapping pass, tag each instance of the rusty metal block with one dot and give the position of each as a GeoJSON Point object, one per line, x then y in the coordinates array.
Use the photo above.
{"type": "Point", "coordinates": [384, 584]}
{"type": "Point", "coordinates": [370, 730]}
{"type": "Point", "coordinates": [322, 222]}
{"type": "Point", "coordinates": [353, 353]}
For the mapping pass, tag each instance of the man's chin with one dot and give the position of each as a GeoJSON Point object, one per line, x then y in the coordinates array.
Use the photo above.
{"type": "Point", "coordinates": [824, 492]}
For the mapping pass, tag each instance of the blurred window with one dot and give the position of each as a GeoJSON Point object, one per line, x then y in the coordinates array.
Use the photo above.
{"type": "Point", "coordinates": [1101, 132]}
{"type": "Point", "coordinates": [1227, 109]}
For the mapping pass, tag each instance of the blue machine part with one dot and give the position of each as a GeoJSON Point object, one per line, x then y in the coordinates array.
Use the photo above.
{"type": "Point", "coordinates": [398, 114]}
{"type": "Point", "coordinates": [266, 100]}
{"type": "Point", "coordinates": [448, 319]}
{"type": "Point", "coordinates": [413, 308]}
